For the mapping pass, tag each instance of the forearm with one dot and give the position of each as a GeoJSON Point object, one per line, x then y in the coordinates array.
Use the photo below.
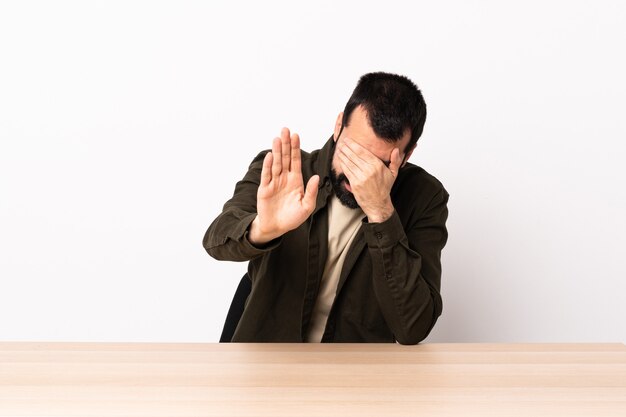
{"type": "Point", "coordinates": [409, 304]}
{"type": "Point", "coordinates": [228, 238]}
{"type": "Point", "coordinates": [406, 270]}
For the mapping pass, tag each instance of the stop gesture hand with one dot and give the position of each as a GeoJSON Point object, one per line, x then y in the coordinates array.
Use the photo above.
{"type": "Point", "coordinates": [283, 204]}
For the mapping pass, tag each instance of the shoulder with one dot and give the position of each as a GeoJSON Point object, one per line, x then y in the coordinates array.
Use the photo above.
{"type": "Point", "coordinates": [417, 189]}
{"type": "Point", "coordinates": [259, 157]}
{"type": "Point", "coordinates": [414, 177]}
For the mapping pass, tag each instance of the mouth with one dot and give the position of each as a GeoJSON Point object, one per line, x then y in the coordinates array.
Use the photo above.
{"type": "Point", "coordinates": [348, 187]}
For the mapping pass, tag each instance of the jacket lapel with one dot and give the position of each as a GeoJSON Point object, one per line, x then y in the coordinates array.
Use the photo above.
{"type": "Point", "coordinates": [353, 254]}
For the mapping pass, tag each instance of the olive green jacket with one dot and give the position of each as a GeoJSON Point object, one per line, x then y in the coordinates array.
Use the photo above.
{"type": "Point", "coordinates": [389, 287]}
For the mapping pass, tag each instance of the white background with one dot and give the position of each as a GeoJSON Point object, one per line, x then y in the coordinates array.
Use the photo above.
{"type": "Point", "coordinates": [125, 125]}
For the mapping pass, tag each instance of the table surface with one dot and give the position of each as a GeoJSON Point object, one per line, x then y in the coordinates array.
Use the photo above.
{"type": "Point", "coordinates": [233, 379]}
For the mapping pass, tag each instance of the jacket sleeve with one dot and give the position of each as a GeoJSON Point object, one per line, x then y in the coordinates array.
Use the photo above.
{"type": "Point", "coordinates": [407, 269]}
{"type": "Point", "coordinates": [227, 237]}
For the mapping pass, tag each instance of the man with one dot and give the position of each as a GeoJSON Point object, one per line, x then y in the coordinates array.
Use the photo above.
{"type": "Point", "coordinates": [355, 255]}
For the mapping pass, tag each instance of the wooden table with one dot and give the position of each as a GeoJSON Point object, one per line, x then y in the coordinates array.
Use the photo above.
{"type": "Point", "coordinates": [195, 379]}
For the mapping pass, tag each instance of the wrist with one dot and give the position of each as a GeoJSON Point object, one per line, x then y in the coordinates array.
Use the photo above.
{"type": "Point", "coordinates": [256, 234]}
{"type": "Point", "coordinates": [380, 214]}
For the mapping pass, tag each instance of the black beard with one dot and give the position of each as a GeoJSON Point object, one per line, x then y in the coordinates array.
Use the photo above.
{"type": "Point", "coordinates": [345, 197]}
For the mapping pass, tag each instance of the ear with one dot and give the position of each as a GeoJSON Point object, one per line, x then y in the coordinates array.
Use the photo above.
{"type": "Point", "coordinates": [408, 155]}
{"type": "Point", "coordinates": [338, 126]}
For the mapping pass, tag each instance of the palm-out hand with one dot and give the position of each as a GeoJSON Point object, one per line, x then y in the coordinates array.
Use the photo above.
{"type": "Point", "coordinates": [283, 203]}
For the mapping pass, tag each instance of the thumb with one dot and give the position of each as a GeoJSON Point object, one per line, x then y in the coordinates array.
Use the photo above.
{"type": "Point", "coordinates": [310, 194]}
{"type": "Point", "coordinates": [394, 166]}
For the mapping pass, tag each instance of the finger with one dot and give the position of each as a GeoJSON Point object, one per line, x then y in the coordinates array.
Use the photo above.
{"type": "Point", "coordinates": [394, 166]}
{"type": "Point", "coordinates": [352, 178]}
{"type": "Point", "coordinates": [285, 141]}
{"type": "Point", "coordinates": [296, 163]}
{"type": "Point", "coordinates": [353, 157]}
{"type": "Point", "coordinates": [360, 151]}
{"type": "Point", "coordinates": [347, 161]}
{"type": "Point", "coordinates": [276, 158]}
{"type": "Point", "coordinates": [310, 194]}
{"type": "Point", "coordinates": [266, 171]}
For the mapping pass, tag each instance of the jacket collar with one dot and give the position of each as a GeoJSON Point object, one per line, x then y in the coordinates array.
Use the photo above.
{"type": "Point", "coordinates": [323, 162]}
{"type": "Point", "coordinates": [321, 166]}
